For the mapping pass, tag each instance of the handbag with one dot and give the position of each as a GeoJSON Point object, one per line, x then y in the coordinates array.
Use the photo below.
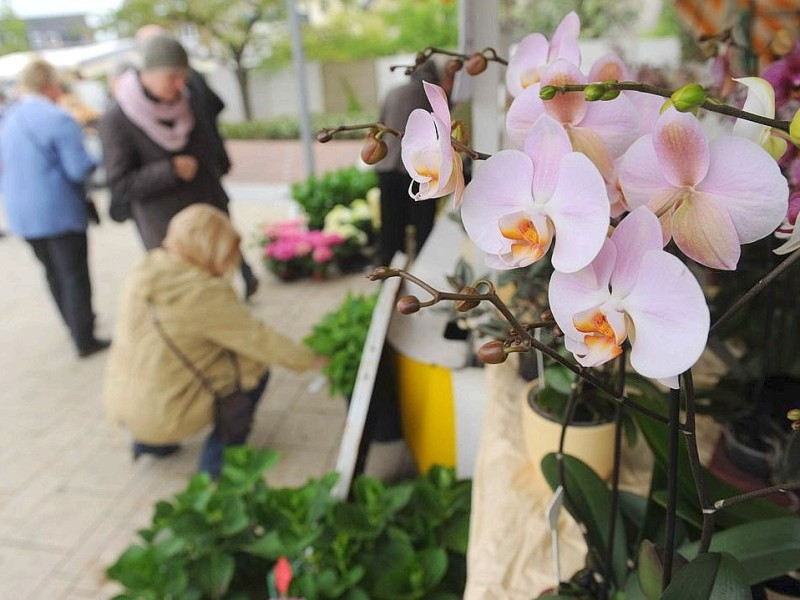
{"type": "Point", "coordinates": [233, 412]}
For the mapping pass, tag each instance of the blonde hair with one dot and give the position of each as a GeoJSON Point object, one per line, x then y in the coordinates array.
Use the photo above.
{"type": "Point", "coordinates": [204, 236]}
{"type": "Point", "coordinates": [37, 76]}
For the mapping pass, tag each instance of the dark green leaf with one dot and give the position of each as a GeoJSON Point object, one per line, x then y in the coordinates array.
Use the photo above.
{"type": "Point", "coordinates": [765, 549]}
{"type": "Point", "coordinates": [589, 501]}
{"type": "Point", "coordinates": [712, 576]}
{"type": "Point", "coordinates": [214, 573]}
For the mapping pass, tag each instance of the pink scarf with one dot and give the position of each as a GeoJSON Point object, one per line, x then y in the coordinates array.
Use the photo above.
{"type": "Point", "coordinates": [148, 114]}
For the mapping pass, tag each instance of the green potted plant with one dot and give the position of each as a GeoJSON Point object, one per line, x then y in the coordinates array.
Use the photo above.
{"type": "Point", "coordinates": [224, 539]}
{"type": "Point", "coordinates": [340, 336]}
{"type": "Point", "coordinates": [318, 195]}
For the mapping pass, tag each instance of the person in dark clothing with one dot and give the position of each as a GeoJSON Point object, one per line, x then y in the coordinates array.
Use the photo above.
{"type": "Point", "coordinates": [398, 209]}
{"type": "Point", "coordinates": [158, 144]}
{"type": "Point", "coordinates": [45, 166]}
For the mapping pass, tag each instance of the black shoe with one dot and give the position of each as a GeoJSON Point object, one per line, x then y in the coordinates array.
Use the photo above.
{"type": "Point", "coordinates": [96, 345]}
{"type": "Point", "coordinates": [161, 451]}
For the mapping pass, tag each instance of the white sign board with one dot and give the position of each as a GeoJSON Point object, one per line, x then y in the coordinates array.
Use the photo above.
{"type": "Point", "coordinates": [365, 381]}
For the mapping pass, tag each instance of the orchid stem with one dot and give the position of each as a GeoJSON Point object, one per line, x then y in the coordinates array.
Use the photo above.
{"type": "Point", "coordinates": [672, 485]}
{"type": "Point", "coordinates": [709, 104]}
{"type": "Point", "coordinates": [792, 259]}
{"type": "Point", "coordinates": [690, 435]}
{"type": "Point", "coordinates": [615, 472]}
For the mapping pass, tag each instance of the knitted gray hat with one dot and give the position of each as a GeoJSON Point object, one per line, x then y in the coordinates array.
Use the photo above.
{"type": "Point", "coordinates": [163, 52]}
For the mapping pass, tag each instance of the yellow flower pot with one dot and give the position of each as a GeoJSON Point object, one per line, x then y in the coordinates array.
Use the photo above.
{"type": "Point", "coordinates": [593, 443]}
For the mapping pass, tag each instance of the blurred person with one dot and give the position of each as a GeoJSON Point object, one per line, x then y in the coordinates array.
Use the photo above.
{"type": "Point", "coordinates": [398, 209]}
{"type": "Point", "coordinates": [179, 321]}
{"type": "Point", "coordinates": [45, 166]}
{"type": "Point", "coordinates": [158, 151]}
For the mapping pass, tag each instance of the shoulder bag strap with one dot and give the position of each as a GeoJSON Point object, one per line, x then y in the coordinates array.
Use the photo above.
{"type": "Point", "coordinates": [195, 371]}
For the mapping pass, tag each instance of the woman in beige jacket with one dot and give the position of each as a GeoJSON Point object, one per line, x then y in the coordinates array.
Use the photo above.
{"type": "Point", "coordinates": [180, 290]}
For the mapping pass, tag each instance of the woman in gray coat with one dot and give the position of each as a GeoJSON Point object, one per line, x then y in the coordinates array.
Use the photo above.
{"type": "Point", "coordinates": [158, 150]}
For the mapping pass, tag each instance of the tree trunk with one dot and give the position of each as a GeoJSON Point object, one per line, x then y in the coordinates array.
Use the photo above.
{"type": "Point", "coordinates": [242, 78]}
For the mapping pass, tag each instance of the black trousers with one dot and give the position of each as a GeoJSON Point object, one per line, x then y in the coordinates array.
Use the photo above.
{"type": "Point", "coordinates": [66, 266]}
{"type": "Point", "coordinates": [398, 209]}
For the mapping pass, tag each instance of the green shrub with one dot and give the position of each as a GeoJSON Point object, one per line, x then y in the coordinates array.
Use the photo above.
{"type": "Point", "coordinates": [318, 195]}
{"type": "Point", "coordinates": [288, 127]}
{"type": "Point", "coordinates": [407, 540]}
{"type": "Point", "coordinates": [340, 336]}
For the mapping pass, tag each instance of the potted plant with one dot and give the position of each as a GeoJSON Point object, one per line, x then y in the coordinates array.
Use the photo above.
{"type": "Point", "coordinates": [317, 195]}
{"type": "Point", "coordinates": [236, 538]}
{"type": "Point", "coordinates": [355, 226]}
{"type": "Point", "coordinates": [291, 251]}
{"type": "Point", "coordinates": [340, 336]}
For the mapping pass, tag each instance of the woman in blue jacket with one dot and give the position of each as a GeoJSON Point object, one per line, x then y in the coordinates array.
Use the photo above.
{"type": "Point", "coordinates": [44, 166]}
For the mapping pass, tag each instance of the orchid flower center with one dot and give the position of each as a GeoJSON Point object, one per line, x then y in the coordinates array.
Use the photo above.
{"type": "Point", "coordinates": [602, 341]}
{"type": "Point", "coordinates": [530, 76]}
{"type": "Point", "coordinates": [528, 244]}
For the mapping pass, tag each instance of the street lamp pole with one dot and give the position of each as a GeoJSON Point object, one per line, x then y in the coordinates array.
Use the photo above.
{"type": "Point", "coordinates": [298, 57]}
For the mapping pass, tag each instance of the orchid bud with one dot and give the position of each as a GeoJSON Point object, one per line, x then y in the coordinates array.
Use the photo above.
{"type": "Point", "coordinates": [476, 64]}
{"type": "Point", "coordinates": [379, 274]}
{"type": "Point", "coordinates": [324, 136]}
{"type": "Point", "coordinates": [794, 128]}
{"type": "Point", "coordinates": [408, 305]}
{"type": "Point", "coordinates": [454, 66]}
{"type": "Point", "coordinates": [374, 149]}
{"type": "Point", "coordinates": [548, 92]}
{"type": "Point", "coordinates": [689, 97]}
{"type": "Point", "coordinates": [493, 353]}
{"type": "Point", "coordinates": [594, 91]}
{"type": "Point", "coordinates": [794, 414]}
{"type": "Point", "coordinates": [465, 305]}
{"type": "Point", "coordinates": [610, 94]}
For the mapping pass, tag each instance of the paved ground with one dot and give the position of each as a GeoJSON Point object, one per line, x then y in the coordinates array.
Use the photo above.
{"type": "Point", "coordinates": [70, 495]}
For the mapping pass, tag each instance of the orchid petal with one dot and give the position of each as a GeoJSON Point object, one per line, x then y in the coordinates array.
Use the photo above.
{"type": "Point", "coordinates": [609, 66]}
{"type": "Point", "coordinates": [573, 293]}
{"type": "Point", "coordinates": [637, 234]}
{"type": "Point", "coordinates": [703, 230]}
{"type": "Point", "coordinates": [419, 138]}
{"type": "Point", "coordinates": [641, 178]}
{"type": "Point", "coordinates": [682, 148]}
{"type": "Point", "coordinates": [579, 210]}
{"type": "Point", "coordinates": [615, 121]}
{"type": "Point", "coordinates": [547, 144]}
{"type": "Point", "coordinates": [526, 65]}
{"type": "Point", "coordinates": [669, 315]}
{"type": "Point", "coordinates": [438, 100]}
{"type": "Point", "coordinates": [565, 39]}
{"type": "Point", "coordinates": [648, 109]}
{"type": "Point", "coordinates": [760, 101]}
{"type": "Point", "coordinates": [568, 109]}
{"type": "Point", "coordinates": [500, 186]}
{"type": "Point", "coordinates": [749, 184]}
{"type": "Point", "coordinates": [792, 244]}
{"type": "Point", "coordinates": [591, 144]}
{"type": "Point", "coordinates": [524, 111]}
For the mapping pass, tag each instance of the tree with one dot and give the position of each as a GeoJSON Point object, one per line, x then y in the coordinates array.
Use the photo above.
{"type": "Point", "coordinates": [237, 27]}
{"type": "Point", "coordinates": [13, 33]}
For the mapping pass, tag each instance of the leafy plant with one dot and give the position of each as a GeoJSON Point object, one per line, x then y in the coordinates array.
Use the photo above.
{"type": "Point", "coordinates": [221, 540]}
{"type": "Point", "coordinates": [340, 336]}
{"type": "Point", "coordinates": [318, 195]}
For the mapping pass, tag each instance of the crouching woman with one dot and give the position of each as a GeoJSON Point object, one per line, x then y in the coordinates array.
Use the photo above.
{"type": "Point", "coordinates": [185, 345]}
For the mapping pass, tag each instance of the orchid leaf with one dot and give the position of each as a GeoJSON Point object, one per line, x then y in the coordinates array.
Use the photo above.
{"type": "Point", "coordinates": [588, 500]}
{"type": "Point", "coordinates": [712, 576]}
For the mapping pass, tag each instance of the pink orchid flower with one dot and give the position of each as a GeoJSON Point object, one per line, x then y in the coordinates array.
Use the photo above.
{"type": "Point", "coordinates": [601, 130]}
{"type": "Point", "coordinates": [518, 201]}
{"type": "Point", "coordinates": [712, 196]}
{"type": "Point", "coordinates": [633, 290]}
{"type": "Point", "coordinates": [534, 53]}
{"type": "Point", "coordinates": [427, 152]}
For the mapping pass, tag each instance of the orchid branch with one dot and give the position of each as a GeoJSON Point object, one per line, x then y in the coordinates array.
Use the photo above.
{"type": "Point", "coordinates": [411, 304]}
{"type": "Point", "coordinates": [708, 104]}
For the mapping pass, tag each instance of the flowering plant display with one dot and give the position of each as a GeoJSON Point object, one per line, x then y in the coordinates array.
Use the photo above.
{"type": "Point", "coordinates": [291, 250]}
{"type": "Point", "coordinates": [628, 194]}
